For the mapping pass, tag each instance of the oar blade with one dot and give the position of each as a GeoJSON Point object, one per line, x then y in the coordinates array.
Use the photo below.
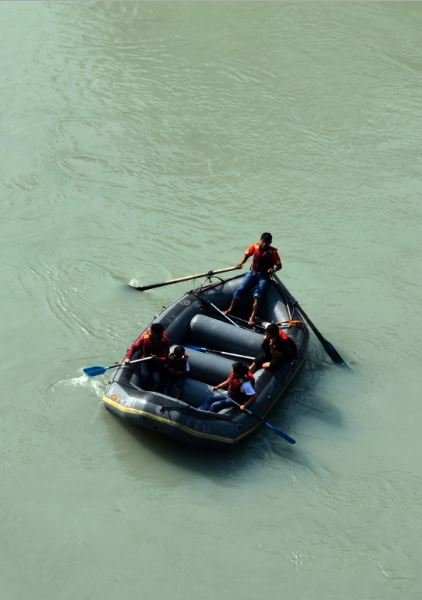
{"type": "Point", "coordinates": [143, 288]}
{"type": "Point", "coordinates": [328, 346]}
{"type": "Point", "coordinates": [94, 371]}
{"type": "Point", "coordinates": [332, 353]}
{"type": "Point", "coordinates": [270, 426]}
{"type": "Point", "coordinates": [285, 436]}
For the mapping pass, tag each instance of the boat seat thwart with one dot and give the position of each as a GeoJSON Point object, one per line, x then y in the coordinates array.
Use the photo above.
{"type": "Point", "coordinates": [208, 369]}
{"type": "Point", "coordinates": [213, 333]}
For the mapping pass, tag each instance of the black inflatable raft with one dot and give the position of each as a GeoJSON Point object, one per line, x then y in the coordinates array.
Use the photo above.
{"type": "Point", "coordinates": [197, 322]}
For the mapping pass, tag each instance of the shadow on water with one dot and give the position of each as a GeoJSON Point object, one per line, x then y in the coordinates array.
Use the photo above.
{"type": "Point", "coordinates": [262, 446]}
{"type": "Point", "coordinates": [313, 395]}
{"type": "Point", "coordinates": [319, 392]}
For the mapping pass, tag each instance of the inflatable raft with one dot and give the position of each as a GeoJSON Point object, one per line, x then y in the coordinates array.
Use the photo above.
{"type": "Point", "coordinates": [213, 342]}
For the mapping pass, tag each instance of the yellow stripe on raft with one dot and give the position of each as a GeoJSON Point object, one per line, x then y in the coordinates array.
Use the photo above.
{"type": "Point", "coordinates": [138, 411]}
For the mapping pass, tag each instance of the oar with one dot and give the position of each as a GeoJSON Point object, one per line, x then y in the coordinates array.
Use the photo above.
{"type": "Point", "coordinates": [255, 326]}
{"type": "Point", "coordinates": [97, 370]}
{"type": "Point", "coordinates": [202, 349]}
{"type": "Point", "coordinates": [143, 288]}
{"type": "Point", "coordinates": [220, 312]}
{"type": "Point", "coordinates": [269, 425]}
{"type": "Point", "coordinates": [263, 324]}
{"type": "Point", "coordinates": [328, 347]}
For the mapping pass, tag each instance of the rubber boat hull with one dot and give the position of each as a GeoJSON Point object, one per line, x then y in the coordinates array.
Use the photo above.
{"type": "Point", "coordinates": [196, 320]}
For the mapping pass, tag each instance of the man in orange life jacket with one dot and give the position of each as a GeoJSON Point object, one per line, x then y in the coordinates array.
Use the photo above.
{"type": "Point", "coordinates": [277, 348]}
{"type": "Point", "coordinates": [265, 262]}
{"type": "Point", "coordinates": [240, 386]}
{"type": "Point", "coordinates": [155, 343]}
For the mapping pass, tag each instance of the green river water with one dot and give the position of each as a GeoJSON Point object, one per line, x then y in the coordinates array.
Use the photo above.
{"type": "Point", "coordinates": [149, 140]}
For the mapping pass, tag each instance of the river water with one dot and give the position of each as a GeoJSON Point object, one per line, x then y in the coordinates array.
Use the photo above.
{"type": "Point", "coordinates": [147, 141]}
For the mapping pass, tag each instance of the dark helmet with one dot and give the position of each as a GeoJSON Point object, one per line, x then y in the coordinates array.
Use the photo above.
{"type": "Point", "coordinates": [157, 328]}
{"type": "Point", "coordinates": [266, 237]}
{"type": "Point", "coordinates": [271, 329]}
{"type": "Point", "coordinates": [179, 351]}
{"type": "Point", "coordinates": [239, 369]}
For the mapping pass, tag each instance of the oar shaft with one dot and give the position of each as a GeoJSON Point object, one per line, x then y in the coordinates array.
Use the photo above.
{"type": "Point", "coordinates": [223, 314]}
{"type": "Point", "coordinates": [233, 354]}
{"type": "Point", "coordinates": [210, 351]}
{"type": "Point", "coordinates": [98, 370]}
{"type": "Point", "coordinates": [328, 347]}
{"type": "Point", "coordinates": [219, 311]}
{"type": "Point", "coordinates": [131, 362]}
{"type": "Point", "coordinates": [143, 288]}
{"type": "Point", "coordinates": [285, 436]}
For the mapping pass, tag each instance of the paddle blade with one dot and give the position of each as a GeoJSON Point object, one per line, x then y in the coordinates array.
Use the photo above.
{"type": "Point", "coordinates": [94, 371]}
{"type": "Point", "coordinates": [332, 353]}
{"type": "Point", "coordinates": [328, 346]}
{"type": "Point", "coordinates": [280, 433]}
{"type": "Point", "coordinates": [197, 348]}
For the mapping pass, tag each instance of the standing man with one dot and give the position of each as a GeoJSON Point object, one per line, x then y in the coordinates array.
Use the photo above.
{"type": "Point", "coordinates": [265, 262]}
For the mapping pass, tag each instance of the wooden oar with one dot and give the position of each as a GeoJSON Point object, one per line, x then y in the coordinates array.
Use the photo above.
{"type": "Point", "coordinates": [97, 370]}
{"type": "Point", "coordinates": [328, 347]}
{"type": "Point", "coordinates": [143, 288]}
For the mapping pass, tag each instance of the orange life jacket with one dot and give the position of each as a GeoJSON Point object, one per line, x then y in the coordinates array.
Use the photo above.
{"type": "Point", "coordinates": [284, 344]}
{"type": "Point", "coordinates": [235, 384]}
{"type": "Point", "coordinates": [264, 258]}
{"type": "Point", "coordinates": [158, 347]}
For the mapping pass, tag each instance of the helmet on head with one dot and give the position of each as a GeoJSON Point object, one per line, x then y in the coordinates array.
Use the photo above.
{"type": "Point", "coordinates": [239, 369]}
{"type": "Point", "coordinates": [271, 329]}
{"type": "Point", "coordinates": [266, 237]}
{"type": "Point", "coordinates": [157, 328]}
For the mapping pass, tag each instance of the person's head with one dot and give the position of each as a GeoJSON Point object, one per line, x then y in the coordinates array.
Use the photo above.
{"type": "Point", "coordinates": [266, 239]}
{"type": "Point", "coordinates": [271, 330]}
{"type": "Point", "coordinates": [156, 330]}
{"type": "Point", "coordinates": [239, 369]}
{"type": "Point", "coordinates": [179, 352]}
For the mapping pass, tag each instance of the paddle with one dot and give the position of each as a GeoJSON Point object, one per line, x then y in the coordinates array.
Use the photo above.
{"type": "Point", "coordinates": [269, 425]}
{"type": "Point", "coordinates": [202, 349]}
{"type": "Point", "coordinates": [143, 288]}
{"type": "Point", "coordinates": [97, 370]}
{"type": "Point", "coordinates": [328, 347]}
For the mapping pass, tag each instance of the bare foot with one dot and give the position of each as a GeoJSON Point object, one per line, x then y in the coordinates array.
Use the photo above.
{"type": "Point", "coordinates": [251, 321]}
